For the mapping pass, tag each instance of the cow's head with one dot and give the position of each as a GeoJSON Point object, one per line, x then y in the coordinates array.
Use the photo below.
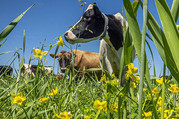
{"type": "Point", "coordinates": [64, 59]}
{"type": "Point", "coordinates": [90, 26]}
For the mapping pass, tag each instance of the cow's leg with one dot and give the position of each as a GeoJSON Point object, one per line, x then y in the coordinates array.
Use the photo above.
{"type": "Point", "coordinates": [105, 57]}
{"type": "Point", "coordinates": [108, 65]}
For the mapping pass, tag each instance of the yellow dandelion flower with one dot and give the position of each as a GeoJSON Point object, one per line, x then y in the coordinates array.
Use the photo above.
{"type": "Point", "coordinates": [64, 115]}
{"type": "Point", "coordinates": [44, 99]}
{"type": "Point", "coordinates": [173, 88]}
{"type": "Point", "coordinates": [144, 89]}
{"type": "Point", "coordinates": [149, 95]}
{"type": "Point", "coordinates": [147, 114]}
{"type": "Point", "coordinates": [112, 76]}
{"type": "Point", "coordinates": [159, 81]}
{"type": "Point", "coordinates": [38, 53]}
{"type": "Point", "coordinates": [60, 41]}
{"type": "Point", "coordinates": [127, 76]}
{"type": "Point", "coordinates": [155, 91]}
{"type": "Point", "coordinates": [132, 84]}
{"type": "Point", "coordinates": [121, 94]}
{"type": "Point", "coordinates": [100, 105]}
{"type": "Point", "coordinates": [103, 78]}
{"type": "Point", "coordinates": [18, 99]}
{"type": "Point", "coordinates": [107, 81]}
{"type": "Point", "coordinates": [114, 82]}
{"type": "Point", "coordinates": [113, 108]}
{"type": "Point", "coordinates": [130, 73]}
{"type": "Point", "coordinates": [87, 117]}
{"type": "Point", "coordinates": [54, 91]}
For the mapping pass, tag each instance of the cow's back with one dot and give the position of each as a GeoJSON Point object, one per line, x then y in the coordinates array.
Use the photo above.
{"type": "Point", "coordinates": [87, 60]}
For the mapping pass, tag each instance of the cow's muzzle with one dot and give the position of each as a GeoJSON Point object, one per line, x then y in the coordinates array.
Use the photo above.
{"type": "Point", "coordinates": [70, 37]}
{"type": "Point", "coordinates": [63, 69]}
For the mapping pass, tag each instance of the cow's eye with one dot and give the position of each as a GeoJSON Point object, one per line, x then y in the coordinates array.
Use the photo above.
{"type": "Point", "coordinates": [68, 56]}
{"type": "Point", "coordinates": [86, 18]}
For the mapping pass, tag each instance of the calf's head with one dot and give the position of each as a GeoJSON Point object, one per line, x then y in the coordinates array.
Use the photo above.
{"type": "Point", "coordinates": [64, 59]}
{"type": "Point", "coordinates": [90, 26]}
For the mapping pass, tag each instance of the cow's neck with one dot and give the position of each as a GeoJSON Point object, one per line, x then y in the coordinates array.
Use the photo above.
{"type": "Point", "coordinates": [105, 26]}
{"type": "Point", "coordinates": [112, 33]}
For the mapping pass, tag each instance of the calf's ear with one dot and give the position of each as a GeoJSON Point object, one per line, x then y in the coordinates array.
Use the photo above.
{"type": "Point", "coordinates": [52, 55]}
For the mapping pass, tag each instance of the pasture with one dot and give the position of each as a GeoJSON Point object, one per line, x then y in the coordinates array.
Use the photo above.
{"type": "Point", "coordinates": [133, 93]}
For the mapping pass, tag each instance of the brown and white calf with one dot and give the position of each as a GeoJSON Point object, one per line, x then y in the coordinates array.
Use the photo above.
{"type": "Point", "coordinates": [83, 60]}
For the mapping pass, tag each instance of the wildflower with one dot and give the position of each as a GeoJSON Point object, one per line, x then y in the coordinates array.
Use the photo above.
{"type": "Point", "coordinates": [18, 99]}
{"type": "Point", "coordinates": [147, 114]}
{"type": "Point", "coordinates": [60, 41]}
{"type": "Point", "coordinates": [149, 95]}
{"type": "Point", "coordinates": [107, 81]}
{"type": "Point", "coordinates": [159, 102]}
{"type": "Point", "coordinates": [39, 53]}
{"type": "Point", "coordinates": [113, 108]}
{"type": "Point", "coordinates": [131, 71]}
{"type": "Point", "coordinates": [121, 94]}
{"type": "Point", "coordinates": [64, 115]}
{"type": "Point", "coordinates": [100, 105]}
{"type": "Point", "coordinates": [54, 91]}
{"type": "Point", "coordinates": [177, 107]}
{"type": "Point", "coordinates": [103, 78]}
{"type": "Point", "coordinates": [44, 99]}
{"type": "Point", "coordinates": [112, 76]}
{"type": "Point", "coordinates": [173, 88]}
{"type": "Point", "coordinates": [87, 117]}
{"type": "Point", "coordinates": [144, 89]}
{"type": "Point", "coordinates": [132, 84]}
{"type": "Point", "coordinates": [169, 112]}
{"type": "Point", "coordinates": [160, 81]}
{"type": "Point", "coordinates": [155, 91]}
{"type": "Point", "coordinates": [114, 82]}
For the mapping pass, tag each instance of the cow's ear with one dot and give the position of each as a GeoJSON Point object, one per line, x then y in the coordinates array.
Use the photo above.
{"type": "Point", "coordinates": [52, 55]}
{"type": "Point", "coordinates": [96, 10]}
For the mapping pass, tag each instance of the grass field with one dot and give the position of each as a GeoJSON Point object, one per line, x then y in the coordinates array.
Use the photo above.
{"type": "Point", "coordinates": [142, 95]}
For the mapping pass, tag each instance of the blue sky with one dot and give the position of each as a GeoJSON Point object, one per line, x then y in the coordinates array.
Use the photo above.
{"type": "Point", "coordinates": [49, 19]}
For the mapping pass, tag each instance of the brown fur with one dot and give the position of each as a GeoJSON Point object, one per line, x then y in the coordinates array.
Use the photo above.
{"type": "Point", "coordinates": [83, 60]}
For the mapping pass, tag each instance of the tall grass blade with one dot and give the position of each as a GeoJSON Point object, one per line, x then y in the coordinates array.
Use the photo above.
{"type": "Point", "coordinates": [163, 93]}
{"type": "Point", "coordinates": [11, 26]}
{"type": "Point", "coordinates": [3, 42]}
{"type": "Point", "coordinates": [175, 9]}
{"type": "Point", "coordinates": [24, 42]}
{"type": "Point", "coordinates": [170, 30]}
{"type": "Point", "coordinates": [142, 68]}
{"type": "Point", "coordinates": [159, 39]}
{"type": "Point", "coordinates": [136, 37]}
{"type": "Point", "coordinates": [5, 52]}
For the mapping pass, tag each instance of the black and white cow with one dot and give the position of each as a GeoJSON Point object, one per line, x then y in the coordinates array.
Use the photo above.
{"type": "Point", "coordinates": [4, 69]}
{"type": "Point", "coordinates": [31, 69]}
{"type": "Point", "coordinates": [95, 25]}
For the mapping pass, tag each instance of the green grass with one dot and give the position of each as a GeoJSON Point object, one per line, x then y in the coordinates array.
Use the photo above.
{"type": "Point", "coordinates": [78, 96]}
